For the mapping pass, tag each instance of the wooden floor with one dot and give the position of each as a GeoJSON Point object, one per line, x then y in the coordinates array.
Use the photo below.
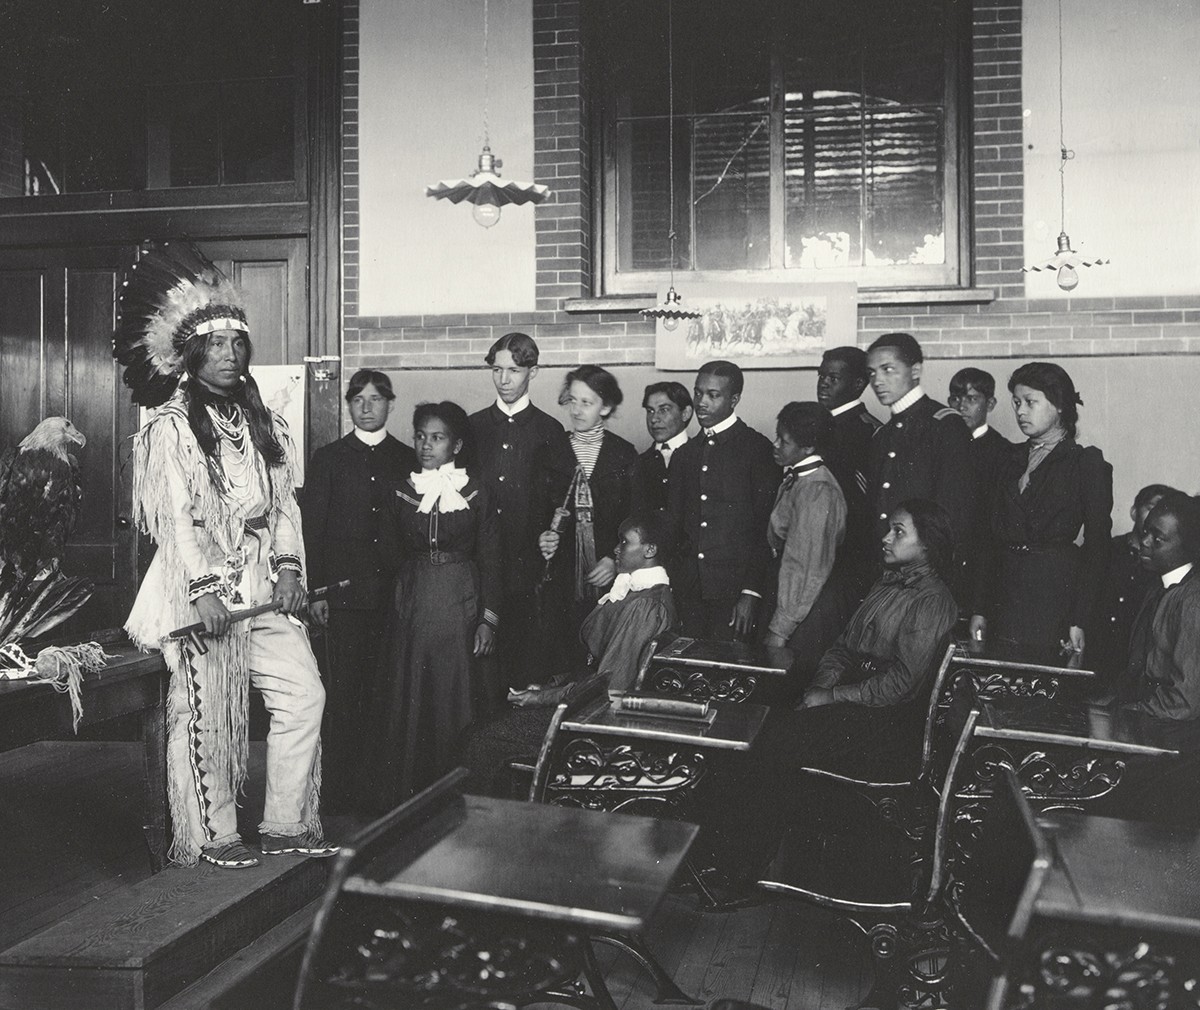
{"type": "Point", "coordinates": [71, 834]}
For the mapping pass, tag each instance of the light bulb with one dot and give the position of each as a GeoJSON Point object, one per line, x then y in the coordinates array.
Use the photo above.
{"type": "Point", "coordinates": [1068, 279]}
{"type": "Point", "coordinates": [669, 323]}
{"type": "Point", "coordinates": [485, 214]}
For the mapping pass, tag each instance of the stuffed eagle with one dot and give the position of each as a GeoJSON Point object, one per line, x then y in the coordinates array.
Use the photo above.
{"type": "Point", "coordinates": [40, 499]}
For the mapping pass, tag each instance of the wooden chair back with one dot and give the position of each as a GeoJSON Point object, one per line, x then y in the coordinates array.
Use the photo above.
{"type": "Point", "coordinates": [375, 838]}
{"type": "Point", "coordinates": [581, 696]}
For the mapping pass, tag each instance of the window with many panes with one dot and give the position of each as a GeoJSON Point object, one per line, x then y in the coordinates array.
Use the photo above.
{"type": "Point", "coordinates": [813, 140]}
{"type": "Point", "coordinates": [138, 95]}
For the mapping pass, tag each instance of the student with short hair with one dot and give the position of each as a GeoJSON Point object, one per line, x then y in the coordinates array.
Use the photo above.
{"type": "Point", "coordinates": [722, 490]}
{"type": "Point", "coordinates": [1163, 676]}
{"type": "Point", "coordinates": [668, 407]}
{"type": "Point", "coordinates": [1126, 582]}
{"type": "Point", "coordinates": [841, 380]}
{"type": "Point", "coordinates": [806, 532]}
{"type": "Point", "coordinates": [636, 610]}
{"type": "Point", "coordinates": [922, 450]}
{"type": "Point", "coordinates": [344, 503]}
{"type": "Point", "coordinates": [973, 395]}
{"type": "Point", "coordinates": [524, 460]}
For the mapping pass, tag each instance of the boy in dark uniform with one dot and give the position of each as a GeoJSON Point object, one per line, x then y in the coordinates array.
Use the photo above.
{"type": "Point", "coordinates": [1126, 582]}
{"type": "Point", "coordinates": [343, 504]}
{"type": "Point", "coordinates": [526, 463]}
{"type": "Point", "coordinates": [722, 489]}
{"type": "Point", "coordinates": [973, 395]}
{"type": "Point", "coordinates": [841, 380]}
{"type": "Point", "coordinates": [922, 451]}
{"type": "Point", "coordinates": [668, 407]}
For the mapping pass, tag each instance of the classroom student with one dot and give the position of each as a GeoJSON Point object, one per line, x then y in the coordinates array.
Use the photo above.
{"type": "Point", "coordinates": [1037, 589]}
{"type": "Point", "coordinates": [444, 617]}
{"type": "Point", "coordinates": [346, 536]}
{"type": "Point", "coordinates": [636, 611]}
{"type": "Point", "coordinates": [922, 450]}
{"type": "Point", "coordinates": [973, 395]}
{"type": "Point", "coordinates": [864, 713]}
{"type": "Point", "coordinates": [722, 489]}
{"type": "Point", "coordinates": [1126, 582]}
{"type": "Point", "coordinates": [813, 595]}
{"type": "Point", "coordinates": [841, 381]}
{"type": "Point", "coordinates": [668, 407]}
{"type": "Point", "coordinates": [524, 460]}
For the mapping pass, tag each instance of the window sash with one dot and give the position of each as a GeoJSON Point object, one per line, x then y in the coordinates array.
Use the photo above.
{"type": "Point", "coordinates": [615, 207]}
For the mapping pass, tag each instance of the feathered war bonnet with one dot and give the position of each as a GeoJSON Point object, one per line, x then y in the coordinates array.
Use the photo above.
{"type": "Point", "coordinates": [169, 295]}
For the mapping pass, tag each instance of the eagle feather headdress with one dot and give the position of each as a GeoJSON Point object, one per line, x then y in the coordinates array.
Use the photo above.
{"type": "Point", "coordinates": [171, 294]}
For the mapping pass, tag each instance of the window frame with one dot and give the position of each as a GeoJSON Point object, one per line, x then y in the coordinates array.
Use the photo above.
{"type": "Point", "coordinates": [955, 273]}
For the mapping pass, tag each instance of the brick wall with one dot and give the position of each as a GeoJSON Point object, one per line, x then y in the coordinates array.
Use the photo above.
{"type": "Point", "coordinates": [1009, 326]}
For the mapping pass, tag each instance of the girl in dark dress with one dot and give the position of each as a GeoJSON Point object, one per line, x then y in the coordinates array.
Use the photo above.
{"type": "Point", "coordinates": [596, 503]}
{"type": "Point", "coordinates": [1036, 588]}
{"type": "Point", "coordinates": [444, 611]}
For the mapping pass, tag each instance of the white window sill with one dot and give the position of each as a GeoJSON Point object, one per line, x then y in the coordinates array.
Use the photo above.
{"type": "Point", "coordinates": [910, 296]}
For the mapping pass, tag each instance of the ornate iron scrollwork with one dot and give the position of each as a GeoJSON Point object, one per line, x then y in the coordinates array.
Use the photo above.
{"type": "Point", "coordinates": [912, 961]}
{"type": "Point", "coordinates": [383, 954]}
{"type": "Point", "coordinates": [596, 775]}
{"type": "Point", "coordinates": [700, 683]}
{"type": "Point", "coordinates": [1069, 775]}
{"type": "Point", "coordinates": [989, 685]}
{"type": "Point", "coordinates": [1140, 975]}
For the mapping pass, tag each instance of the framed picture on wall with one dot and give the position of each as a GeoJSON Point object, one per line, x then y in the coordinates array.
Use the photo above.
{"type": "Point", "coordinates": [759, 325]}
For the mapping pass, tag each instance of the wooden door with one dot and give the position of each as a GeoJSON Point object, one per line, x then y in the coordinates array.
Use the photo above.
{"type": "Point", "coordinates": [56, 323]}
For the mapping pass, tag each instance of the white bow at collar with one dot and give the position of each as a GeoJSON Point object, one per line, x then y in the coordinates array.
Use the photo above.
{"type": "Point", "coordinates": [441, 487]}
{"type": "Point", "coordinates": [632, 582]}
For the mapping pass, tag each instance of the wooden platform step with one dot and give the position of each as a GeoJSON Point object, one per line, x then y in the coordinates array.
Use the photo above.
{"type": "Point", "coordinates": [135, 949]}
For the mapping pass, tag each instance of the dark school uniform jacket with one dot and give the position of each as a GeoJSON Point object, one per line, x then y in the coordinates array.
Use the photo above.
{"type": "Point", "coordinates": [722, 489]}
{"type": "Point", "coordinates": [343, 508]}
{"type": "Point", "coordinates": [921, 452]}
{"type": "Point", "coordinates": [525, 462]}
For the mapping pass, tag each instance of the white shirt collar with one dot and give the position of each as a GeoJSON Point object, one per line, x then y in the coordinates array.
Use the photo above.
{"type": "Point", "coordinates": [980, 431]}
{"type": "Point", "coordinates": [807, 461]}
{"type": "Point", "coordinates": [907, 400]}
{"type": "Point", "coordinates": [676, 442]}
{"type": "Point", "coordinates": [1176, 575]}
{"type": "Point", "coordinates": [845, 407]}
{"type": "Point", "coordinates": [516, 408]}
{"type": "Point", "coordinates": [716, 429]}
{"type": "Point", "coordinates": [636, 581]}
{"type": "Point", "coordinates": [371, 437]}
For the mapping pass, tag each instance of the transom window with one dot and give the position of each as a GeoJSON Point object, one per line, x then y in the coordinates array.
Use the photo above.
{"type": "Point", "coordinates": [813, 139]}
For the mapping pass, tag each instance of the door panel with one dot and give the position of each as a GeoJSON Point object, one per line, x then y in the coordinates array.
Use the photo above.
{"type": "Point", "coordinates": [272, 276]}
{"type": "Point", "coordinates": [56, 320]}
{"type": "Point", "coordinates": [21, 293]}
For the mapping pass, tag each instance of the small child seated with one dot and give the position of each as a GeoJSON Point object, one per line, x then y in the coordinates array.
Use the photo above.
{"type": "Point", "coordinates": [637, 609]}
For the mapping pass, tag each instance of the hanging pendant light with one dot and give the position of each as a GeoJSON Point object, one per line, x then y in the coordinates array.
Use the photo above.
{"type": "Point", "coordinates": [1066, 261]}
{"type": "Point", "coordinates": [670, 310]}
{"type": "Point", "coordinates": [483, 188]}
